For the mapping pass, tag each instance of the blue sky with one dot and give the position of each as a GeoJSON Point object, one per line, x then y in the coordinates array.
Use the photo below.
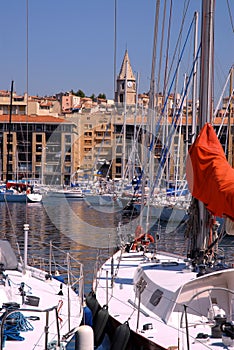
{"type": "Point", "coordinates": [71, 43]}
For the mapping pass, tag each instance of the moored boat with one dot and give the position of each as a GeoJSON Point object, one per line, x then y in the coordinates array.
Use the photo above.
{"type": "Point", "coordinates": [171, 301]}
{"type": "Point", "coordinates": [165, 301]}
{"type": "Point", "coordinates": [41, 303]}
{"type": "Point", "coordinates": [74, 193]}
{"type": "Point", "coordinates": [15, 191]}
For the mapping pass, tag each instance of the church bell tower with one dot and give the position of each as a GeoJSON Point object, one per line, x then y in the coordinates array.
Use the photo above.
{"type": "Point", "coordinates": [126, 77]}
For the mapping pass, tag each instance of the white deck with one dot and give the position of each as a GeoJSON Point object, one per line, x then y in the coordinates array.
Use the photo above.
{"type": "Point", "coordinates": [47, 291]}
{"type": "Point", "coordinates": [122, 301]}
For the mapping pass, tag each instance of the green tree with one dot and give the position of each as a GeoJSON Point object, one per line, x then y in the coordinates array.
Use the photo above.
{"type": "Point", "coordinates": [80, 93]}
{"type": "Point", "coordinates": [102, 96]}
{"type": "Point", "coordinates": [92, 97]}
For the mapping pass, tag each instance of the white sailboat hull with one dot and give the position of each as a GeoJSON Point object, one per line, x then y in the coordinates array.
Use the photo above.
{"type": "Point", "coordinates": [168, 286]}
{"type": "Point", "coordinates": [20, 197]}
{"type": "Point", "coordinates": [45, 308]}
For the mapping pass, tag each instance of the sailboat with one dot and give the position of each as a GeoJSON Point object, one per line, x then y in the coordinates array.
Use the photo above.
{"type": "Point", "coordinates": [166, 301]}
{"type": "Point", "coordinates": [16, 190]}
{"type": "Point", "coordinates": [19, 192]}
{"type": "Point", "coordinates": [41, 301]}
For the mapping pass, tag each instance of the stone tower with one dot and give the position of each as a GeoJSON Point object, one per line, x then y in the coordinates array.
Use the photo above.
{"type": "Point", "coordinates": [131, 83]}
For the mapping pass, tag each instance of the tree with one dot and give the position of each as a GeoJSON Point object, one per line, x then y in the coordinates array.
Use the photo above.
{"type": "Point", "coordinates": [102, 96]}
{"type": "Point", "coordinates": [80, 93]}
{"type": "Point", "coordinates": [92, 97]}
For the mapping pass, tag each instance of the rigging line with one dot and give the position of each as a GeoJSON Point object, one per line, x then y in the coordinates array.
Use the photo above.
{"type": "Point", "coordinates": [221, 96]}
{"type": "Point", "coordinates": [167, 51]}
{"type": "Point", "coordinates": [230, 15]}
{"type": "Point", "coordinates": [161, 50]}
{"type": "Point", "coordinates": [173, 79]}
{"type": "Point", "coordinates": [165, 103]}
{"type": "Point", "coordinates": [152, 79]}
{"type": "Point", "coordinates": [178, 40]}
{"type": "Point", "coordinates": [225, 114]}
{"type": "Point", "coordinates": [173, 127]}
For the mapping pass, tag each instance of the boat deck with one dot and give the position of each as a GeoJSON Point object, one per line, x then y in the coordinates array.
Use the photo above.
{"type": "Point", "coordinates": [51, 293]}
{"type": "Point", "coordinates": [123, 302]}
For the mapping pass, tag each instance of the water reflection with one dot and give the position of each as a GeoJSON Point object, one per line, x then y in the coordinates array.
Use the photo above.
{"type": "Point", "coordinates": [81, 229]}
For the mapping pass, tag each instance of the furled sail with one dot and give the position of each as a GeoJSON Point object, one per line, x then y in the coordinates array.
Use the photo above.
{"type": "Point", "coordinates": [210, 177]}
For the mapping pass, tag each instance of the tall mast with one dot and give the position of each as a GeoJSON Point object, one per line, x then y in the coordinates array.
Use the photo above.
{"type": "Point", "coordinates": [149, 138]}
{"type": "Point", "coordinates": [200, 244]}
{"type": "Point", "coordinates": [207, 63]}
{"type": "Point", "coordinates": [194, 92]}
{"type": "Point", "coordinates": [9, 132]}
{"type": "Point", "coordinates": [230, 160]}
{"type": "Point", "coordinates": [124, 123]}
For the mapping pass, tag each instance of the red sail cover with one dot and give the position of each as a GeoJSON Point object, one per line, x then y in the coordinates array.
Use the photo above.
{"type": "Point", "coordinates": [210, 177]}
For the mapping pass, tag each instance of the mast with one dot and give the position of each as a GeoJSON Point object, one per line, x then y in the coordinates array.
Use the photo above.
{"type": "Point", "coordinates": [9, 133]}
{"type": "Point", "coordinates": [124, 123]}
{"type": "Point", "coordinates": [194, 88]}
{"type": "Point", "coordinates": [149, 136]}
{"type": "Point", "coordinates": [230, 160]}
{"type": "Point", "coordinates": [200, 243]}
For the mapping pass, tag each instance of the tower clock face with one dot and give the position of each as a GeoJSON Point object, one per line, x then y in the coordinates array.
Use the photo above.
{"type": "Point", "coordinates": [129, 84]}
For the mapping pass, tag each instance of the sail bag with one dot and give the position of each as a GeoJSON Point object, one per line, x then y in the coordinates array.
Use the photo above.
{"type": "Point", "coordinates": [210, 177]}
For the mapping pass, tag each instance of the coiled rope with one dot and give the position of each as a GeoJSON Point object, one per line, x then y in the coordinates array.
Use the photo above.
{"type": "Point", "coordinates": [14, 324]}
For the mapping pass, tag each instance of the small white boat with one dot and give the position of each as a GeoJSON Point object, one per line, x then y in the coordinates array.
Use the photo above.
{"type": "Point", "coordinates": [75, 193]}
{"type": "Point", "coordinates": [12, 196]}
{"type": "Point", "coordinates": [40, 307]}
{"type": "Point", "coordinates": [19, 192]}
{"type": "Point", "coordinates": [107, 200]}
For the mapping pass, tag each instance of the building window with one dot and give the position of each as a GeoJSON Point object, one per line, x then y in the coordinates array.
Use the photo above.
{"type": "Point", "coordinates": [67, 169]}
{"type": "Point", "coordinates": [39, 138]}
{"type": "Point", "coordinates": [118, 170]}
{"type": "Point", "coordinates": [88, 126]}
{"type": "Point", "coordinates": [39, 127]}
{"type": "Point", "coordinates": [86, 158]}
{"type": "Point", "coordinates": [88, 134]}
{"type": "Point", "coordinates": [39, 147]}
{"type": "Point", "coordinates": [67, 138]}
{"type": "Point", "coordinates": [118, 149]}
{"type": "Point", "coordinates": [38, 169]}
{"type": "Point", "coordinates": [67, 158]}
{"type": "Point", "coordinates": [67, 149]}
{"type": "Point", "coordinates": [38, 158]}
{"type": "Point", "coordinates": [9, 138]}
{"type": "Point", "coordinates": [88, 142]}
{"type": "Point", "coordinates": [9, 147]}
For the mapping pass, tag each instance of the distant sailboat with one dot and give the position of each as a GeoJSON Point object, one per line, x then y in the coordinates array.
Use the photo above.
{"type": "Point", "coordinates": [16, 191]}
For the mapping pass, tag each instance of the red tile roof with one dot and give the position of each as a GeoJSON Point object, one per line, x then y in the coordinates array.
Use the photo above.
{"type": "Point", "coordinates": [32, 119]}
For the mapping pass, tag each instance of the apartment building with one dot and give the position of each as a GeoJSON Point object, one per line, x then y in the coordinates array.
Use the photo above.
{"type": "Point", "coordinates": [36, 147]}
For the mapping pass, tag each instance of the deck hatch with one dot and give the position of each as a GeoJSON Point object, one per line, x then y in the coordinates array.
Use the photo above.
{"type": "Point", "coordinates": [156, 297]}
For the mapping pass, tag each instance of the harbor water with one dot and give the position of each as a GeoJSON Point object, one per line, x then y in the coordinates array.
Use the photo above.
{"type": "Point", "coordinates": [84, 230]}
